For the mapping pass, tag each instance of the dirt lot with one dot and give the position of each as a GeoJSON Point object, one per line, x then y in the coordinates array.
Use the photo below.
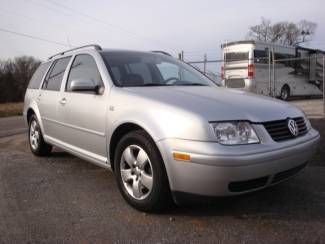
{"type": "Point", "coordinates": [64, 199]}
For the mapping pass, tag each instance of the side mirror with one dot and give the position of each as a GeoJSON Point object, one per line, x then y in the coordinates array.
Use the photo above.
{"type": "Point", "coordinates": [85, 86]}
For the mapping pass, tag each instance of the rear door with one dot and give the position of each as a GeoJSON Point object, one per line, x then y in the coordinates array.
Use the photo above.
{"type": "Point", "coordinates": [49, 96]}
{"type": "Point", "coordinates": [83, 114]}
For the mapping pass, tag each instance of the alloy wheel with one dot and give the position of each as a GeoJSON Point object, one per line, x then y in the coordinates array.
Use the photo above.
{"type": "Point", "coordinates": [136, 172]}
{"type": "Point", "coordinates": [34, 135]}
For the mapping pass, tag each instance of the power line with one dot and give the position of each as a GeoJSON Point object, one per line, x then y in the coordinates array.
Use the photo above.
{"type": "Point", "coordinates": [33, 37]}
{"type": "Point", "coordinates": [39, 21]}
{"type": "Point", "coordinates": [102, 21]}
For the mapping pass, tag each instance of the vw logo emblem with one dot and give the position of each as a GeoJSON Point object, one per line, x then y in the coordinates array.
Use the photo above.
{"type": "Point", "coordinates": [292, 125]}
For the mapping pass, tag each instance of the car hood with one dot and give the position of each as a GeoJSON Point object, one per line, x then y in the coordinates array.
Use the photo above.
{"type": "Point", "coordinates": [217, 104]}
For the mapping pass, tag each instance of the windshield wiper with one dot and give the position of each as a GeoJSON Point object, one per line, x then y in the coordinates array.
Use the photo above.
{"type": "Point", "coordinates": [191, 84]}
{"type": "Point", "coordinates": [155, 84]}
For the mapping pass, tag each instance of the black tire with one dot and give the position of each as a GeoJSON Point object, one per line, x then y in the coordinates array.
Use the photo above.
{"type": "Point", "coordinates": [159, 198]}
{"type": "Point", "coordinates": [41, 148]}
{"type": "Point", "coordinates": [285, 93]}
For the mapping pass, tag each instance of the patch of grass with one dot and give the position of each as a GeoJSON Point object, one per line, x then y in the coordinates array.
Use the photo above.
{"type": "Point", "coordinates": [11, 109]}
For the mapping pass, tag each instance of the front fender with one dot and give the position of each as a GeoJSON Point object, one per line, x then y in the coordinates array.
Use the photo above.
{"type": "Point", "coordinates": [163, 123]}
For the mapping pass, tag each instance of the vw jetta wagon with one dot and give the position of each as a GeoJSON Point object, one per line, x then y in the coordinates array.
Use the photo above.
{"type": "Point", "coordinates": [162, 127]}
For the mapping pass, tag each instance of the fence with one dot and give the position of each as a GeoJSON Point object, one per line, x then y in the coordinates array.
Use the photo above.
{"type": "Point", "coordinates": [297, 78]}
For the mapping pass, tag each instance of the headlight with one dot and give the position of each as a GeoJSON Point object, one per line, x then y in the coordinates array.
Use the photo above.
{"type": "Point", "coordinates": [234, 133]}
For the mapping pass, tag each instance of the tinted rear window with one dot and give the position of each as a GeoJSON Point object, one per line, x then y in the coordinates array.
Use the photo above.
{"type": "Point", "coordinates": [236, 56]}
{"type": "Point", "coordinates": [38, 76]}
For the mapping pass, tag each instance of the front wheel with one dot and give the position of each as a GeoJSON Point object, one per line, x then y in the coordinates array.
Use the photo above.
{"type": "Point", "coordinates": [140, 172]}
{"type": "Point", "coordinates": [36, 141]}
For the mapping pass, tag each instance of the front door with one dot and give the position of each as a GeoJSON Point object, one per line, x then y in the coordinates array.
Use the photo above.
{"type": "Point", "coordinates": [83, 114]}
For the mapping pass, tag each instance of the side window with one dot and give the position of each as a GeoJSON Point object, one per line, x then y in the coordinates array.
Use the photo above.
{"type": "Point", "coordinates": [38, 75]}
{"type": "Point", "coordinates": [84, 68]}
{"type": "Point", "coordinates": [260, 57]}
{"type": "Point", "coordinates": [54, 77]}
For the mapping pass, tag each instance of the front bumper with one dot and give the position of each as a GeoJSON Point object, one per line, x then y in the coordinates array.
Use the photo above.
{"type": "Point", "coordinates": [217, 170]}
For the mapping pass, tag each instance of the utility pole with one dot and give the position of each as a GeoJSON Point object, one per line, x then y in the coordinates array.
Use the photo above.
{"type": "Point", "coordinates": [205, 64]}
{"type": "Point", "coordinates": [181, 56]}
{"type": "Point", "coordinates": [274, 78]}
{"type": "Point", "coordinates": [270, 73]}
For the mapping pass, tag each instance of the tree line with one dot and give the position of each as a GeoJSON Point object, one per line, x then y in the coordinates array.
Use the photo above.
{"type": "Point", "coordinates": [14, 77]}
{"type": "Point", "coordinates": [283, 32]}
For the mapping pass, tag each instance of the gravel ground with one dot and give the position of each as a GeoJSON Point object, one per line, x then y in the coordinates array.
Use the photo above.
{"type": "Point", "coordinates": [12, 126]}
{"type": "Point", "coordinates": [65, 199]}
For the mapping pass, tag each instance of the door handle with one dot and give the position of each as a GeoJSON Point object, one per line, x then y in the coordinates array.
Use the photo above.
{"type": "Point", "coordinates": [63, 101]}
{"type": "Point", "coordinates": [39, 97]}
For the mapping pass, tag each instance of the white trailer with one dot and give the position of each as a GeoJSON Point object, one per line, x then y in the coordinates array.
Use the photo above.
{"type": "Point", "coordinates": [271, 69]}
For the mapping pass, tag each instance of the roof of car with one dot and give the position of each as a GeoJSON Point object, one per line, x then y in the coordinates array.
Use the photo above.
{"type": "Point", "coordinates": [98, 48]}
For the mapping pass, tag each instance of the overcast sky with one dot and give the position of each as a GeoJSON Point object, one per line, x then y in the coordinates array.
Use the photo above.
{"type": "Point", "coordinates": [190, 25]}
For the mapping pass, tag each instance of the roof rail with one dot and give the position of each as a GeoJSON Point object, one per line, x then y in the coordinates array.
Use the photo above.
{"type": "Point", "coordinates": [95, 46]}
{"type": "Point", "coordinates": [162, 52]}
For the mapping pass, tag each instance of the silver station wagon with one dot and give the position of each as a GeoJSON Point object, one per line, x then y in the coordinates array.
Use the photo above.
{"type": "Point", "coordinates": [164, 129]}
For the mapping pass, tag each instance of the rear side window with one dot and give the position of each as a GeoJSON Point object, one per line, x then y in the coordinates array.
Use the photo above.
{"type": "Point", "coordinates": [37, 77]}
{"type": "Point", "coordinates": [84, 68]}
{"type": "Point", "coordinates": [54, 77]}
{"type": "Point", "coordinates": [261, 57]}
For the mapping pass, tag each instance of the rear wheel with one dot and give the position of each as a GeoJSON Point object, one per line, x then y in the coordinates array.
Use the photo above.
{"type": "Point", "coordinates": [140, 173]}
{"type": "Point", "coordinates": [285, 93]}
{"type": "Point", "coordinates": [36, 141]}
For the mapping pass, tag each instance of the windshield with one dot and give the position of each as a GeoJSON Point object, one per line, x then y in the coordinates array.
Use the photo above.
{"type": "Point", "coordinates": [129, 68]}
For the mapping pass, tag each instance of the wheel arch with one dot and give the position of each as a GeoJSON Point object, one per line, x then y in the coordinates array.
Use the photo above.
{"type": "Point", "coordinates": [32, 109]}
{"type": "Point", "coordinates": [121, 130]}
{"type": "Point", "coordinates": [285, 86]}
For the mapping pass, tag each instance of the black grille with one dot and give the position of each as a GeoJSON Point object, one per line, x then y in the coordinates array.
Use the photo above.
{"type": "Point", "coordinates": [288, 173]}
{"type": "Point", "coordinates": [247, 185]}
{"type": "Point", "coordinates": [279, 130]}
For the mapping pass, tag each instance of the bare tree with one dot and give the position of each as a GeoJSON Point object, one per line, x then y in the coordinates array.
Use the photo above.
{"type": "Point", "coordinates": [14, 77]}
{"type": "Point", "coordinates": [284, 32]}
{"type": "Point", "coordinates": [307, 28]}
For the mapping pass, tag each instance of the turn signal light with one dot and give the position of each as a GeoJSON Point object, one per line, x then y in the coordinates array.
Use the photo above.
{"type": "Point", "coordinates": [181, 156]}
